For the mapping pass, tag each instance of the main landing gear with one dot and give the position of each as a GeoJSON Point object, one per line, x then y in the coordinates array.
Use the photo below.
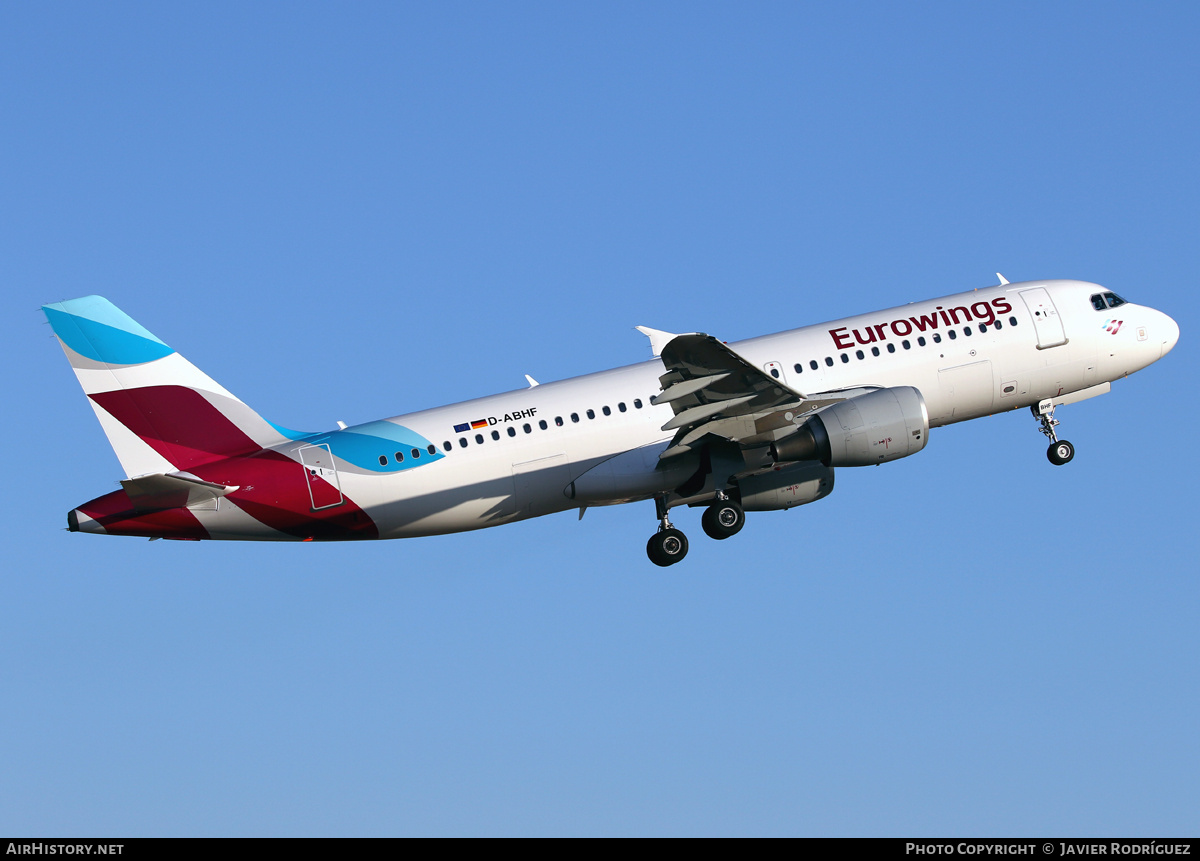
{"type": "Point", "coordinates": [668, 545]}
{"type": "Point", "coordinates": [1060, 451]}
{"type": "Point", "coordinates": [721, 520]}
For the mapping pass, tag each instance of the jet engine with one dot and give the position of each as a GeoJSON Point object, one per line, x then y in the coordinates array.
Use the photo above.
{"type": "Point", "coordinates": [879, 426]}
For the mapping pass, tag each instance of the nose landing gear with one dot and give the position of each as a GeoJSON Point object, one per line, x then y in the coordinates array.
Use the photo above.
{"type": "Point", "coordinates": [1060, 451]}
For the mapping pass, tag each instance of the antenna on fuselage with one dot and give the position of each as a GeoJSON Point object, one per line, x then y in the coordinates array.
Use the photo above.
{"type": "Point", "coordinates": [1003, 280]}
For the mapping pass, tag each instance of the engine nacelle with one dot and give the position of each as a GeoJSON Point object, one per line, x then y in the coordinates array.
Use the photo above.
{"type": "Point", "coordinates": [786, 486]}
{"type": "Point", "coordinates": [879, 426]}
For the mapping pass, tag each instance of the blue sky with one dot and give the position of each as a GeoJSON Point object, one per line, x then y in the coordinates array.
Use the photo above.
{"type": "Point", "coordinates": [352, 211]}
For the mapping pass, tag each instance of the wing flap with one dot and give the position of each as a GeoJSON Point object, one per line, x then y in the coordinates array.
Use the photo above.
{"type": "Point", "coordinates": [717, 394]}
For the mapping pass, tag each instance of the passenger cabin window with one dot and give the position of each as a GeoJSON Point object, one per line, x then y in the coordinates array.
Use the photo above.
{"type": "Point", "coordinates": [399, 457]}
{"type": "Point", "coordinates": [921, 341]}
{"type": "Point", "coordinates": [416, 452]}
{"type": "Point", "coordinates": [874, 351]}
{"type": "Point", "coordinates": [860, 354]}
{"type": "Point", "coordinates": [575, 417]}
{"type": "Point", "coordinates": [495, 435]}
{"type": "Point", "coordinates": [446, 445]}
{"type": "Point", "coordinates": [606, 411]}
{"type": "Point", "coordinates": [952, 334]}
{"type": "Point", "coordinates": [799, 368]}
{"type": "Point", "coordinates": [527, 429]}
{"type": "Point", "coordinates": [891, 348]}
{"type": "Point", "coordinates": [383, 460]}
{"type": "Point", "coordinates": [542, 423]}
{"type": "Point", "coordinates": [829, 361]}
{"type": "Point", "coordinates": [512, 431]}
{"type": "Point", "coordinates": [637, 403]}
{"type": "Point", "coordinates": [479, 439]}
{"type": "Point", "coordinates": [462, 441]}
{"type": "Point", "coordinates": [906, 345]}
{"type": "Point", "coordinates": [591, 414]}
{"type": "Point", "coordinates": [558, 421]}
{"type": "Point", "coordinates": [431, 448]}
{"type": "Point", "coordinates": [621, 406]}
{"type": "Point", "coordinates": [813, 364]}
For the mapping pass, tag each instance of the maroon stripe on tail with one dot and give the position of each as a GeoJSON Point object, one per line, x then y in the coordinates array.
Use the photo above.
{"type": "Point", "coordinates": [178, 423]}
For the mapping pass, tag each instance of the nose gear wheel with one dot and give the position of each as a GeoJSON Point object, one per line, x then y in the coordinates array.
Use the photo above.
{"type": "Point", "coordinates": [1060, 451]}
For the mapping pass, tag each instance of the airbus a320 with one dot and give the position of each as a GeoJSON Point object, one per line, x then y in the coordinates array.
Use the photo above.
{"type": "Point", "coordinates": [757, 425]}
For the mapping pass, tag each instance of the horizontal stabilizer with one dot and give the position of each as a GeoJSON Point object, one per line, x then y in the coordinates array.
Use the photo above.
{"type": "Point", "coordinates": [156, 492]}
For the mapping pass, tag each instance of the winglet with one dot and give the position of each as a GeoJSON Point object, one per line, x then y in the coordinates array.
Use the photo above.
{"type": "Point", "coordinates": [658, 338]}
{"type": "Point", "coordinates": [1003, 280]}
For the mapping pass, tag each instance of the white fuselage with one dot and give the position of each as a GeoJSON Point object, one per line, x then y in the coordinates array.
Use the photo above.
{"type": "Point", "coordinates": [536, 441]}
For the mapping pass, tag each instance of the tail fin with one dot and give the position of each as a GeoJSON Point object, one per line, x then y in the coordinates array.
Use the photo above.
{"type": "Point", "coordinates": [161, 413]}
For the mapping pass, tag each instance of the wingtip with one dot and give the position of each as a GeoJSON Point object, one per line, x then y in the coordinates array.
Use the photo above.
{"type": "Point", "coordinates": [658, 338]}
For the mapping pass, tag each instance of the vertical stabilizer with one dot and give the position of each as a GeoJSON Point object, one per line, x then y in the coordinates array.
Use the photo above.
{"type": "Point", "coordinates": [160, 412]}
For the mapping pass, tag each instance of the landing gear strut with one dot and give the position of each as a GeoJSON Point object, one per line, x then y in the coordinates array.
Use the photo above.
{"type": "Point", "coordinates": [723, 518]}
{"type": "Point", "coordinates": [668, 545]}
{"type": "Point", "coordinates": [1060, 451]}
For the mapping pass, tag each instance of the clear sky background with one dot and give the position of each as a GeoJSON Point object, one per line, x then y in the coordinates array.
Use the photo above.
{"type": "Point", "coordinates": [350, 211]}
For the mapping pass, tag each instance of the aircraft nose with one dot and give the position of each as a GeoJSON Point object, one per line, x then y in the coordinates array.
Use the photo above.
{"type": "Point", "coordinates": [1170, 335]}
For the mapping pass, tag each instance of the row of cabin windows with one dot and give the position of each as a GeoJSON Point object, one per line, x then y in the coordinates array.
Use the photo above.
{"type": "Point", "coordinates": [799, 368]}
{"type": "Point", "coordinates": [542, 424]}
{"type": "Point", "coordinates": [415, 453]}
{"type": "Point", "coordinates": [906, 344]}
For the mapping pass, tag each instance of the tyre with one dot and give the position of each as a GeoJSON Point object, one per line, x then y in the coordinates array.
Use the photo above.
{"type": "Point", "coordinates": [723, 519]}
{"type": "Point", "coordinates": [1060, 452]}
{"type": "Point", "coordinates": [667, 547]}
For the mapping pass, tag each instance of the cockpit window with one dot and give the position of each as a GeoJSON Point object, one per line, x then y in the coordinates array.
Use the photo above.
{"type": "Point", "coordinates": [1114, 300]}
{"type": "Point", "coordinates": [1098, 302]}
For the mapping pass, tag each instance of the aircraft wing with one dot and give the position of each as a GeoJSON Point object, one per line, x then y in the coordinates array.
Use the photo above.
{"type": "Point", "coordinates": [715, 392]}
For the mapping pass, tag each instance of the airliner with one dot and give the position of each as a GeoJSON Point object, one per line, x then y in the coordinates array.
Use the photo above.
{"type": "Point", "coordinates": [756, 425]}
